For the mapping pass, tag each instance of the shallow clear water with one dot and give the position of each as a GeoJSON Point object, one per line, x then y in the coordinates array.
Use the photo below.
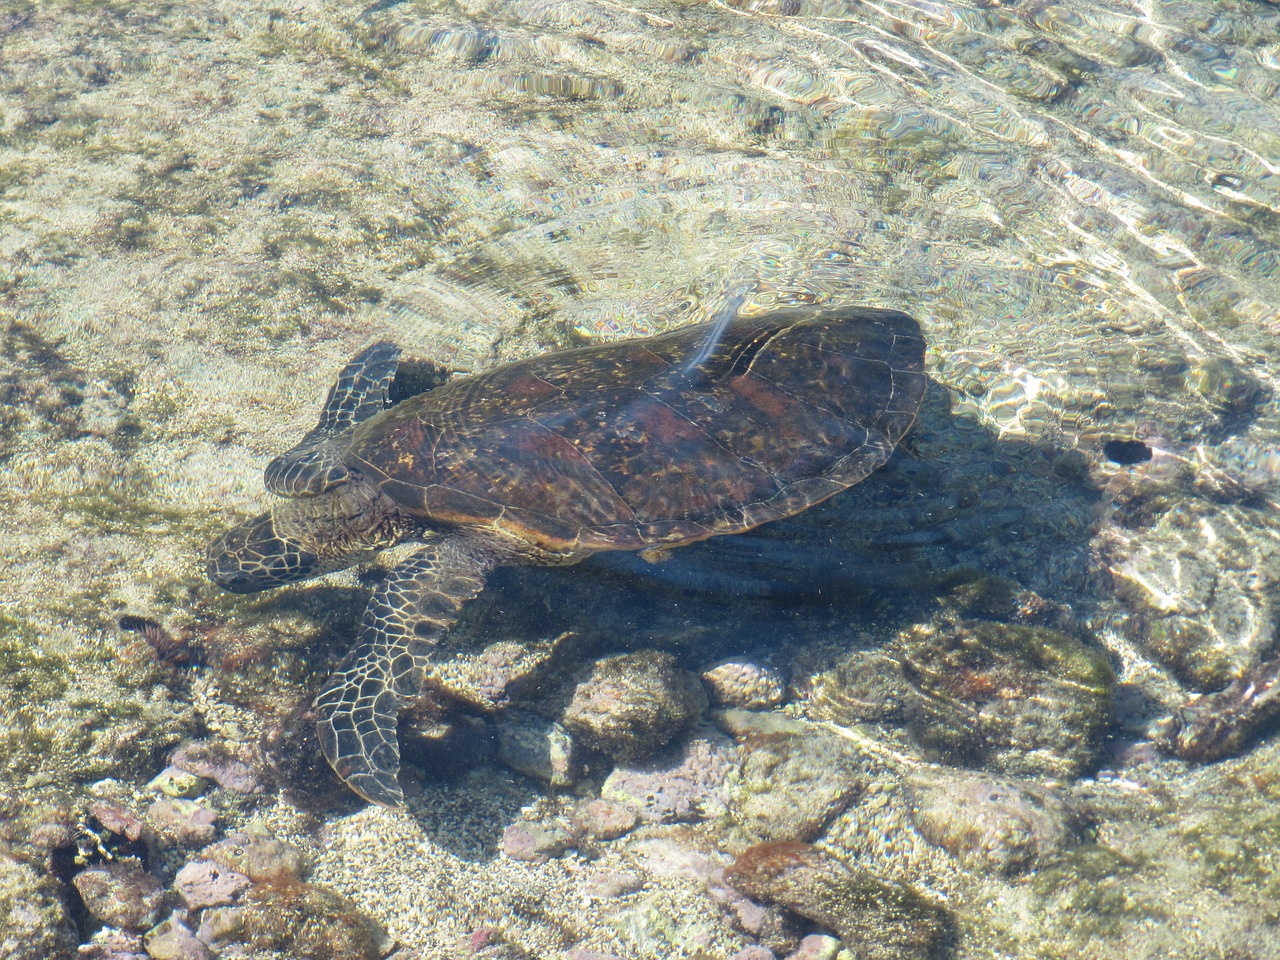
{"type": "Point", "coordinates": [207, 207]}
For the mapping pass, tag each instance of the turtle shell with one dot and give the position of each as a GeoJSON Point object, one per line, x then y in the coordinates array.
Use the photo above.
{"type": "Point", "coordinates": [659, 441]}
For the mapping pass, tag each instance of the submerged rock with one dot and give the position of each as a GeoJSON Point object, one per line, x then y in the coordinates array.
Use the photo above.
{"type": "Point", "coordinates": [683, 784]}
{"type": "Point", "coordinates": [173, 940]}
{"type": "Point", "coordinates": [739, 682]}
{"type": "Point", "coordinates": [121, 894]}
{"type": "Point", "coordinates": [538, 748]}
{"type": "Point", "coordinates": [879, 921]}
{"type": "Point", "coordinates": [261, 859]}
{"type": "Point", "coordinates": [992, 823]}
{"type": "Point", "coordinates": [631, 705]}
{"type": "Point", "coordinates": [793, 778]}
{"type": "Point", "coordinates": [34, 924]}
{"type": "Point", "coordinates": [1024, 700]}
{"type": "Point", "coordinates": [1215, 725]}
{"type": "Point", "coordinates": [309, 922]}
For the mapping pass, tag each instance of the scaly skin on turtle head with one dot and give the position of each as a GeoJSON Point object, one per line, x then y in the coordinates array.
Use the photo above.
{"type": "Point", "coordinates": [253, 556]}
{"type": "Point", "coordinates": [298, 539]}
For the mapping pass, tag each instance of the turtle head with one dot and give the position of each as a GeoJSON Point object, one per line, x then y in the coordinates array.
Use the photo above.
{"type": "Point", "coordinates": [304, 538]}
{"type": "Point", "coordinates": [255, 555]}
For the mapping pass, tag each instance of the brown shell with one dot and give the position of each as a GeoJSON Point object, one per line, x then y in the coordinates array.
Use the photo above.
{"type": "Point", "coordinates": [623, 446]}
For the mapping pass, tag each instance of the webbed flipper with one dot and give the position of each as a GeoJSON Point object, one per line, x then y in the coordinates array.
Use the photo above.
{"type": "Point", "coordinates": [405, 619]}
{"type": "Point", "coordinates": [362, 389]}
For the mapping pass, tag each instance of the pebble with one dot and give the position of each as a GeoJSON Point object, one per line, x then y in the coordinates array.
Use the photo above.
{"type": "Point", "coordinates": [203, 883]}
{"type": "Point", "coordinates": [111, 944]}
{"type": "Point", "coordinates": [118, 819]}
{"type": "Point", "coordinates": [882, 922]}
{"type": "Point", "coordinates": [739, 682]}
{"type": "Point", "coordinates": [816, 946]}
{"type": "Point", "coordinates": [608, 884]}
{"type": "Point", "coordinates": [220, 924]}
{"type": "Point", "coordinates": [604, 819]}
{"type": "Point", "coordinates": [121, 894]}
{"type": "Point", "coordinates": [754, 952]}
{"type": "Point", "coordinates": [175, 782]}
{"type": "Point", "coordinates": [173, 940]}
{"type": "Point", "coordinates": [182, 822]}
{"type": "Point", "coordinates": [535, 842]}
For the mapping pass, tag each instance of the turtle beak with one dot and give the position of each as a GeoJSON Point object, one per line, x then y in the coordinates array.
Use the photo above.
{"type": "Point", "coordinates": [253, 556]}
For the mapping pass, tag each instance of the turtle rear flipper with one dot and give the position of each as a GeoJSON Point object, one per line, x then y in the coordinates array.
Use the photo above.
{"type": "Point", "coordinates": [406, 617]}
{"type": "Point", "coordinates": [362, 389]}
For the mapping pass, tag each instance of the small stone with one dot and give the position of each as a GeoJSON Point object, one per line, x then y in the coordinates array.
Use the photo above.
{"type": "Point", "coordinates": [535, 842]}
{"type": "Point", "coordinates": [203, 883]}
{"type": "Point", "coordinates": [683, 784]}
{"type": "Point", "coordinates": [227, 768]}
{"type": "Point", "coordinates": [816, 946]}
{"type": "Point", "coordinates": [992, 823]}
{"type": "Point", "coordinates": [754, 952]}
{"type": "Point", "coordinates": [111, 944]}
{"type": "Point", "coordinates": [220, 923]}
{"type": "Point", "coordinates": [182, 822]}
{"type": "Point", "coordinates": [120, 894]}
{"type": "Point", "coordinates": [538, 748]}
{"type": "Point", "coordinates": [261, 859]}
{"type": "Point", "coordinates": [882, 922]}
{"type": "Point", "coordinates": [174, 782]}
{"type": "Point", "coordinates": [173, 940]}
{"type": "Point", "coordinates": [118, 819]}
{"type": "Point", "coordinates": [630, 706]}
{"type": "Point", "coordinates": [608, 884]}
{"type": "Point", "coordinates": [604, 819]}
{"type": "Point", "coordinates": [738, 682]}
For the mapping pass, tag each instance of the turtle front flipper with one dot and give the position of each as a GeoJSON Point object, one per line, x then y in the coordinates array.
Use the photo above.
{"type": "Point", "coordinates": [362, 389]}
{"type": "Point", "coordinates": [406, 617]}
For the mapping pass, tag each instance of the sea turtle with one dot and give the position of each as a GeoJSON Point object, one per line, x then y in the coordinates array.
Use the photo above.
{"type": "Point", "coordinates": [644, 444]}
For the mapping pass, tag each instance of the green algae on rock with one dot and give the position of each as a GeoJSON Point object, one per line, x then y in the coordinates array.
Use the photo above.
{"type": "Point", "coordinates": [992, 823]}
{"type": "Point", "coordinates": [876, 919]}
{"type": "Point", "coordinates": [1023, 700]}
{"type": "Point", "coordinates": [792, 779]}
{"type": "Point", "coordinates": [632, 705]}
{"type": "Point", "coordinates": [34, 921]}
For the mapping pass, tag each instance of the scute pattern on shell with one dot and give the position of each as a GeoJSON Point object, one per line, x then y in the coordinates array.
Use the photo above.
{"type": "Point", "coordinates": [627, 445]}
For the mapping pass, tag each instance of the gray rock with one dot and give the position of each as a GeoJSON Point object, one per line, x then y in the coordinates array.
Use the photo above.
{"type": "Point", "coordinates": [604, 819]}
{"type": "Point", "coordinates": [538, 748]}
{"type": "Point", "coordinates": [173, 940]}
{"type": "Point", "coordinates": [535, 842]}
{"type": "Point", "coordinates": [184, 823]}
